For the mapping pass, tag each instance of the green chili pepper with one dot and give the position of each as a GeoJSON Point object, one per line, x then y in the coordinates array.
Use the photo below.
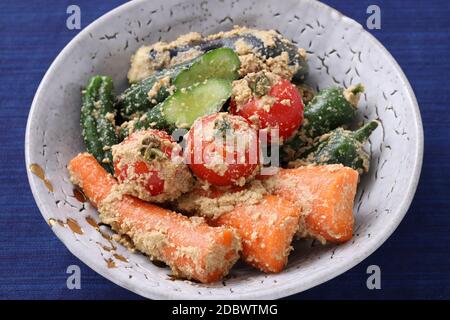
{"type": "Point", "coordinates": [328, 110]}
{"type": "Point", "coordinates": [97, 119]}
{"type": "Point", "coordinates": [331, 108]}
{"type": "Point", "coordinates": [344, 147]}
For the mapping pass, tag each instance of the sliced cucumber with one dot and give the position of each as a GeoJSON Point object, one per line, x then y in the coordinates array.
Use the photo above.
{"type": "Point", "coordinates": [186, 105]}
{"type": "Point", "coordinates": [221, 63]}
{"type": "Point", "coordinates": [135, 101]}
{"type": "Point", "coordinates": [255, 41]}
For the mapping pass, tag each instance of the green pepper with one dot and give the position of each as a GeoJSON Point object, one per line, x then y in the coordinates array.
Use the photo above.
{"type": "Point", "coordinates": [344, 147]}
{"type": "Point", "coordinates": [105, 121]}
{"type": "Point", "coordinates": [329, 109]}
{"type": "Point", "coordinates": [97, 119]}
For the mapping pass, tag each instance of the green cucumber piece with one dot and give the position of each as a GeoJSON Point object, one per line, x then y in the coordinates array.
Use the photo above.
{"type": "Point", "coordinates": [182, 108]}
{"type": "Point", "coordinates": [202, 99]}
{"type": "Point", "coordinates": [255, 41]}
{"type": "Point", "coordinates": [134, 101]}
{"type": "Point", "coordinates": [221, 63]}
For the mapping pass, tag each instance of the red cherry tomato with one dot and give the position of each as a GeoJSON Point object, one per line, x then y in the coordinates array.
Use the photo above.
{"type": "Point", "coordinates": [152, 182]}
{"type": "Point", "coordinates": [286, 112]}
{"type": "Point", "coordinates": [142, 172]}
{"type": "Point", "coordinates": [210, 155]}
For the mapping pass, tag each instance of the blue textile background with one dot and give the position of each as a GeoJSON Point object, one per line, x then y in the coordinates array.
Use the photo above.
{"type": "Point", "coordinates": [415, 261]}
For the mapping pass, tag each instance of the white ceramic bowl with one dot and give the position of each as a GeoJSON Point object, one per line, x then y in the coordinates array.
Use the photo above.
{"type": "Point", "coordinates": [340, 52]}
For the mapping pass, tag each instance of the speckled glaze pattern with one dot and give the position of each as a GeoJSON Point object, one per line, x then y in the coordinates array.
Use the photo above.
{"type": "Point", "coordinates": [340, 52]}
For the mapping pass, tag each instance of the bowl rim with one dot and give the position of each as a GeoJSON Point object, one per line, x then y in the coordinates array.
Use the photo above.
{"type": "Point", "coordinates": [270, 293]}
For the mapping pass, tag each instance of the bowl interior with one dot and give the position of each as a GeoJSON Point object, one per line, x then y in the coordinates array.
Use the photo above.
{"type": "Point", "coordinates": [340, 53]}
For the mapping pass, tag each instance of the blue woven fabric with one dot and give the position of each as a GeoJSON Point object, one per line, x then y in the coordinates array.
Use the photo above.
{"type": "Point", "coordinates": [415, 261]}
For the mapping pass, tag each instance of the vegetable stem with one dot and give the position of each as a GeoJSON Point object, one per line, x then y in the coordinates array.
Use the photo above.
{"type": "Point", "coordinates": [351, 94]}
{"type": "Point", "coordinates": [363, 133]}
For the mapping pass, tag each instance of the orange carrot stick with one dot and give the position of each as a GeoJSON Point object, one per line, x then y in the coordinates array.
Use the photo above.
{"type": "Point", "coordinates": [91, 177]}
{"type": "Point", "coordinates": [326, 195]}
{"type": "Point", "coordinates": [266, 229]}
{"type": "Point", "coordinates": [193, 249]}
